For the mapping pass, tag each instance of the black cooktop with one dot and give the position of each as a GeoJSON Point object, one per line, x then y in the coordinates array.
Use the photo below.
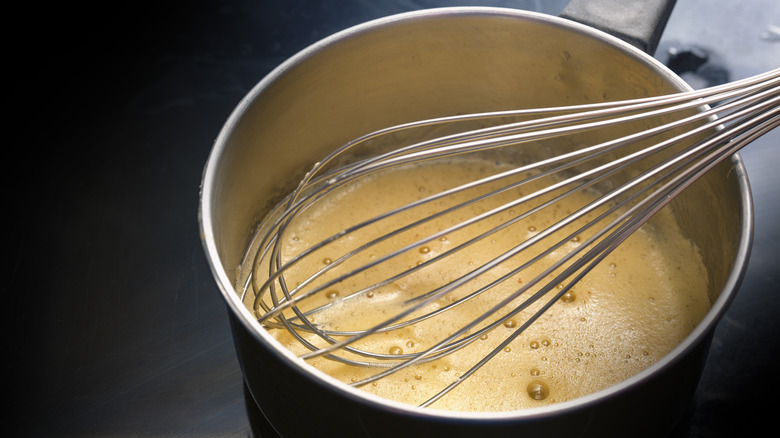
{"type": "Point", "coordinates": [116, 326]}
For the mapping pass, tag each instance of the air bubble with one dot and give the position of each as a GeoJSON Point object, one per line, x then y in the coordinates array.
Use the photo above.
{"type": "Point", "coordinates": [538, 390]}
{"type": "Point", "coordinates": [568, 297]}
{"type": "Point", "coordinates": [327, 261]}
{"type": "Point", "coordinates": [510, 323]}
{"type": "Point", "coordinates": [332, 294]}
{"type": "Point", "coordinates": [424, 250]}
{"type": "Point", "coordinates": [396, 350]}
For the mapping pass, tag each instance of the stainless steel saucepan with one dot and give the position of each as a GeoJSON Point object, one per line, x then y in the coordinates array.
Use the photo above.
{"type": "Point", "coordinates": [438, 62]}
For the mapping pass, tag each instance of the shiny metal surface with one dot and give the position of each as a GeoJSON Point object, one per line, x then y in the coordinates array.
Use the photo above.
{"type": "Point", "coordinates": [114, 119]}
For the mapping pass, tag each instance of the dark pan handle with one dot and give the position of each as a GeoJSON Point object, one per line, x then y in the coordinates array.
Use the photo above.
{"type": "Point", "coordinates": [637, 22]}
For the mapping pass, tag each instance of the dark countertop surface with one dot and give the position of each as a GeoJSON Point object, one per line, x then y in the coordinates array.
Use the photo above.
{"type": "Point", "coordinates": [116, 325]}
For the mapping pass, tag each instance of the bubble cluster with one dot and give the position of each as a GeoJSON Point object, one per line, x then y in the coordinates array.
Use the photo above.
{"type": "Point", "coordinates": [536, 344]}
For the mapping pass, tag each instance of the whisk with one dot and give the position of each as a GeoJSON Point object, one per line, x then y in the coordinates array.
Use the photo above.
{"type": "Point", "coordinates": [682, 136]}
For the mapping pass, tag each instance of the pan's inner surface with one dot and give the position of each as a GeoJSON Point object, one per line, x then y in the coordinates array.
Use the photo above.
{"type": "Point", "coordinates": [430, 65]}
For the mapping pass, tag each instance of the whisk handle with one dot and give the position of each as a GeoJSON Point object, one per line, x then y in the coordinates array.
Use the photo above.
{"type": "Point", "coordinates": [639, 23]}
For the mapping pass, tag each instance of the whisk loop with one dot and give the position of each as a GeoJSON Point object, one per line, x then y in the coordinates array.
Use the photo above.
{"type": "Point", "coordinates": [682, 137]}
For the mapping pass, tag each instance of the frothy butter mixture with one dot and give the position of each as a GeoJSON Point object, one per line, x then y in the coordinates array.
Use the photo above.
{"type": "Point", "coordinates": [632, 309]}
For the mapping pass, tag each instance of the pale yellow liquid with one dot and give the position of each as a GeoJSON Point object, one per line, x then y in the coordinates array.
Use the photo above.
{"type": "Point", "coordinates": [632, 309]}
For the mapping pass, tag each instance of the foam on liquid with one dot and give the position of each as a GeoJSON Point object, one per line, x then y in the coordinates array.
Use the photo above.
{"type": "Point", "coordinates": [632, 309]}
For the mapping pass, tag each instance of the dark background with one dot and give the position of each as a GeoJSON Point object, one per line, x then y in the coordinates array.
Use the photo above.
{"type": "Point", "coordinates": [114, 326]}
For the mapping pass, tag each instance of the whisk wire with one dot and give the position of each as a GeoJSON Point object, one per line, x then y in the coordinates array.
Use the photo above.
{"type": "Point", "coordinates": [596, 255]}
{"type": "Point", "coordinates": [588, 153]}
{"type": "Point", "coordinates": [728, 116]}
